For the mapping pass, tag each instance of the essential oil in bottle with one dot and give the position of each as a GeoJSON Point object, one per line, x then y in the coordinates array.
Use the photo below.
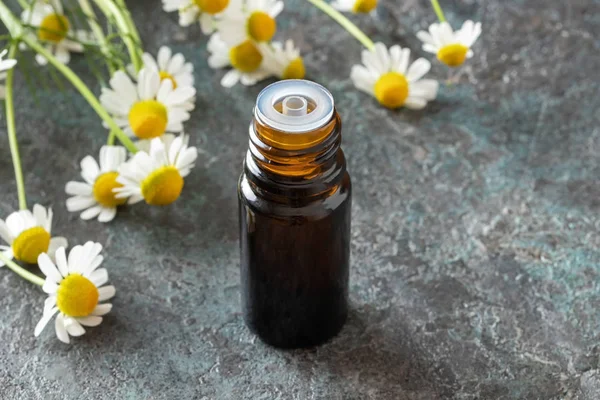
{"type": "Point", "coordinates": [294, 204]}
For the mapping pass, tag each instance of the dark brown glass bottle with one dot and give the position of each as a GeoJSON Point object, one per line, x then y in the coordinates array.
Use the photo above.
{"type": "Point", "coordinates": [294, 204]}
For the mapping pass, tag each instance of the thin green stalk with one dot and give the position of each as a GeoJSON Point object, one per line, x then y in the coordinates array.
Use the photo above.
{"type": "Point", "coordinates": [132, 27]}
{"type": "Point", "coordinates": [438, 10]}
{"type": "Point", "coordinates": [85, 92]}
{"type": "Point", "coordinates": [12, 131]}
{"type": "Point", "coordinates": [344, 22]}
{"type": "Point", "coordinates": [23, 273]}
{"type": "Point", "coordinates": [97, 30]}
{"type": "Point", "coordinates": [111, 138]}
{"type": "Point", "coordinates": [23, 4]}
{"type": "Point", "coordinates": [111, 9]}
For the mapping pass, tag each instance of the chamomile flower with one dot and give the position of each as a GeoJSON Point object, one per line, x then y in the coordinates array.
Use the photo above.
{"type": "Point", "coordinates": [29, 234]}
{"type": "Point", "coordinates": [283, 62]}
{"type": "Point", "coordinates": [173, 68]}
{"type": "Point", "coordinates": [5, 65]}
{"type": "Point", "coordinates": [190, 11]}
{"type": "Point", "coordinates": [95, 196]}
{"type": "Point", "coordinates": [245, 58]}
{"type": "Point", "coordinates": [355, 6]}
{"type": "Point", "coordinates": [452, 48]}
{"type": "Point", "coordinates": [253, 21]}
{"type": "Point", "coordinates": [156, 175]}
{"type": "Point", "coordinates": [54, 30]}
{"type": "Point", "coordinates": [387, 76]}
{"type": "Point", "coordinates": [151, 107]}
{"type": "Point", "coordinates": [75, 290]}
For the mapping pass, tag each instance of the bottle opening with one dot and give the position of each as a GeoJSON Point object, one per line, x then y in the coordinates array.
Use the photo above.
{"type": "Point", "coordinates": [294, 106]}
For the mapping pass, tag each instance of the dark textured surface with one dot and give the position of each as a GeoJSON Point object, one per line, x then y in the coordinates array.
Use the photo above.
{"type": "Point", "coordinates": [475, 229]}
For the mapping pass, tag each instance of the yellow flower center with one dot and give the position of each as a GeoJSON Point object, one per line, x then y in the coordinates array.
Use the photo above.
{"type": "Point", "coordinates": [261, 26]}
{"type": "Point", "coordinates": [54, 28]}
{"type": "Point", "coordinates": [245, 57]}
{"type": "Point", "coordinates": [103, 190]}
{"type": "Point", "coordinates": [148, 119]}
{"type": "Point", "coordinates": [163, 186]}
{"type": "Point", "coordinates": [391, 90]}
{"type": "Point", "coordinates": [212, 6]}
{"type": "Point", "coordinates": [364, 6]}
{"type": "Point", "coordinates": [77, 296]}
{"type": "Point", "coordinates": [30, 244]}
{"type": "Point", "coordinates": [453, 55]}
{"type": "Point", "coordinates": [294, 70]}
{"type": "Point", "coordinates": [165, 75]}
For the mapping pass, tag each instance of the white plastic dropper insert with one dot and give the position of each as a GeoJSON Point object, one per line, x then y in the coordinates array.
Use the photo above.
{"type": "Point", "coordinates": [295, 96]}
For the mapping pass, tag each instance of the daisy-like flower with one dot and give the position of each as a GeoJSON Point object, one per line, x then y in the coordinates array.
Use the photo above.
{"type": "Point", "coordinates": [96, 195]}
{"type": "Point", "coordinates": [254, 20]}
{"type": "Point", "coordinates": [283, 62]}
{"type": "Point", "coordinates": [54, 30]}
{"type": "Point", "coordinates": [5, 65]}
{"type": "Point", "coordinates": [452, 48]}
{"type": "Point", "coordinates": [245, 58]}
{"type": "Point", "coordinates": [28, 235]}
{"type": "Point", "coordinates": [156, 175]}
{"type": "Point", "coordinates": [150, 108]}
{"type": "Point", "coordinates": [173, 68]}
{"type": "Point", "coordinates": [190, 11]}
{"type": "Point", "coordinates": [75, 290]}
{"type": "Point", "coordinates": [355, 6]}
{"type": "Point", "coordinates": [387, 76]}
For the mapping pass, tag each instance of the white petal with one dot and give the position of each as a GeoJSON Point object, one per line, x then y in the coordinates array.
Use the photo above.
{"type": "Point", "coordinates": [415, 103]}
{"type": "Point", "coordinates": [56, 243]}
{"type": "Point", "coordinates": [107, 214]}
{"type": "Point", "coordinates": [5, 232]}
{"type": "Point", "coordinates": [61, 261]}
{"type": "Point", "coordinates": [106, 292]}
{"type": "Point", "coordinates": [61, 331]}
{"type": "Point", "coordinates": [89, 169]}
{"type": "Point", "coordinates": [49, 287]}
{"type": "Point", "coordinates": [44, 321]}
{"type": "Point", "coordinates": [79, 203]}
{"type": "Point", "coordinates": [73, 327]}
{"type": "Point", "coordinates": [48, 268]}
{"type": "Point", "coordinates": [90, 320]}
{"type": "Point", "coordinates": [418, 69]}
{"type": "Point", "coordinates": [90, 213]}
{"type": "Point", "coordinates": [102, 309]}
{"type": "Point", "coordinates": [99, 277]}
{"type": "Point", "coordinates": [78, 189]}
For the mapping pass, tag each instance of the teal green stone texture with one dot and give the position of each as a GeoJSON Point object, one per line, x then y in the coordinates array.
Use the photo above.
{"type": "Point", "coordinates": [475, 256]}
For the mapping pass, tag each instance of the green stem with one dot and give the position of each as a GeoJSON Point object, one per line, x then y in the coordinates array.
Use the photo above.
{"type": "Point", "coordinates": [12, 131]}
{"type": "Point", "coordinates": [97, 30]}
{"type": "Point", "coordinates": [111, 138]}
{"type": "Point", "coordinates": [438, 10]}
{"type": "Point", "coordinates": [23, 273]}
{"type": "Point", "coordinates": [344, 22]}
{"type": "Point", "coordinates": [85, 92]}
{"type": "Point", "coordinates": [129, 37]}
{"type": "Point", "coordinates": [132, 27]}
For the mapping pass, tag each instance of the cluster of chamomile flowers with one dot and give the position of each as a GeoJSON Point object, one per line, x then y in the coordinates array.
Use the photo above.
{"type": "Point", "coordinates": [150, 106]}
{"type": "Point", "coordinates": [241, 38]}
{"type": "Point", "coordinates": [242, 31]}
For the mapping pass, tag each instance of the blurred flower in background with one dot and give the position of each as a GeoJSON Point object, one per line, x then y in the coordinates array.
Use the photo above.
{"type": "Point", "coordinates": [452, 48]}
{"type": "Point", "coordinates": [355, 6]}
{"type": "Point", "coordinates": [282, 61]}
{"type": "Point", "coordinates": [387, 75]}
{"type": "Point", "coordinates": [203, 11]}
{"type": "Point", "coordinates": [5, 65]}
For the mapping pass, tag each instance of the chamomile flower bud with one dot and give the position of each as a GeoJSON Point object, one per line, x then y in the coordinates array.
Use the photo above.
{"type": "Point", "coordinates": [157, 175]}
{"type": "Point", "coordinates": [28, 234]}
{"type": "Point", "coordinates": [5, 65]}
{"type": "Point", "coordinates": [150, 108]}
{"type": "Point", "coordinates": [355, 6]}
{"type": "Point", "coordinates": [245, 58]}
{"type": "Point", "coordinates": [452, 48]}
{"type": "Point", "coordinates": [254, 21]}
{"type": "Point", "coordinates": [75, 287]}
{"type": "Point", "coordinates": [282, 61]}
{"type": "Point", "coordinates": [387, 76]}
{"type": "Point", "coordinates": [54, 30]}
{"type": "Point", "coordinates": [203, 11]}
{"type": "Point", "coordinates": [95, 196]}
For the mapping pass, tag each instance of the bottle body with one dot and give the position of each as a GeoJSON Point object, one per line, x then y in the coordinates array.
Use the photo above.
{"type": "Point", "coordinates": [295, 266]}
{"type": "Point", "coordinates": [295, 198]}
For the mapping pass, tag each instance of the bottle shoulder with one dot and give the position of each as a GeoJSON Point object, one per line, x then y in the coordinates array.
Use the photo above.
{"type": "Point", "coordinates": [295, 204]}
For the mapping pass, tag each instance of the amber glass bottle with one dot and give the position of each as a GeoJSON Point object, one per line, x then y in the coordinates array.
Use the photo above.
{"type": "Point", "coordinates": [294, 204]}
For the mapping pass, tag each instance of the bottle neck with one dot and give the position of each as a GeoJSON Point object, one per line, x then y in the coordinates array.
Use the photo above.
{"type": "Point", "coordinates": [310, 162]}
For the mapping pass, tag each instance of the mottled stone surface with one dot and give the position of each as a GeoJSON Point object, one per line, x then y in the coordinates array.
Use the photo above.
{"type": "Point", "coordinates": [475, 262]}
